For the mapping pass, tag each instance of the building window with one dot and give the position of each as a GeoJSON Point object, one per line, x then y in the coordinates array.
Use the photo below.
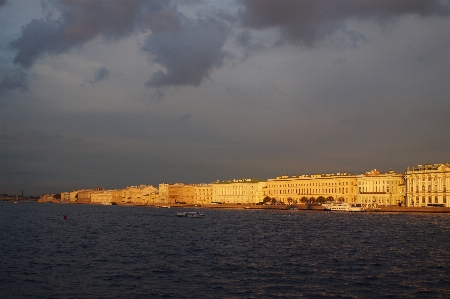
{"type": "Point", "coordinates": [429, 199]}
{"type": "Point", "coordinates": [423, 199]}
{"type": "Point", "coordinates": [444, 199]}
{"type": "Point", "coordinates": [436, 200]}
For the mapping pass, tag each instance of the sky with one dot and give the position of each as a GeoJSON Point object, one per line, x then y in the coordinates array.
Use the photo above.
{"type": "Point", "coordinates": [114, 93]}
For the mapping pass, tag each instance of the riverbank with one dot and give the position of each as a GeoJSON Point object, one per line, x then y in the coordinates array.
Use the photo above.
{"type": "Point", "coordinates": [294, 207]}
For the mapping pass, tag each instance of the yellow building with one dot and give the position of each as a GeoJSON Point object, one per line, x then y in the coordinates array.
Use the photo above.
{"type": "Point", "coordinates": [340, 186]}
{"type": "Point", "coordinates": [142, 194]}
{"type": "Point", "coordinates": [100, 195]}
{"type": "Point", "coordinates": [84, 196]}
{"type": "Point", "coordinates": [203, 194]}
{"type": "Point", "coordinates": [427, 185]}
{"type": "Point", "coordinates": [65, 196]}
{"type": "Point", "coordinates": [244, 191]}
{"type": "Point", "coordinates": [385, 189]}
{"type": "Point", "coordinates": [178, 193]}
{"type": "Point", "coordinates": [73, 196]}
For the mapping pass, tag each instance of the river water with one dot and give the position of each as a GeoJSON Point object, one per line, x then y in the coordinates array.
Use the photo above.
{"type": "Point", "coordinates": [145, 252]}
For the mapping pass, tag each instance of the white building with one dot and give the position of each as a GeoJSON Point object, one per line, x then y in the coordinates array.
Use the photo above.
{"type": "Point", "coordinates": [427, 185]}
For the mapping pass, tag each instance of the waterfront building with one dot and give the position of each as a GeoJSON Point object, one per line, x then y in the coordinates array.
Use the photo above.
{"type": "Point", "coordinates": [101, 195]}
{"type": "Point", "coordinates": [174, 193]}
{"type": "Point", "coordinates": [203, 194]}
{"type": "Point", "coordinates": [428, 185]}
{"type": "Point", "coordinates": [84, 196]}
{"type": "Point", "coordinates": [73, 196]}
{"type": "Point", "coordinates": [385, 189]}
{"type": "Point", "coordinates": [141, 194]}
{"type": "Point", "coordinates": [65, 196]}
{"type": "Point", "coordinates": [243, 191]}
{"type": "Point", "coordinates": [339, 187]}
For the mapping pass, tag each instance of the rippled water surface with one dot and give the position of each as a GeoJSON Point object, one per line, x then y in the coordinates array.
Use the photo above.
{"type": "Point", "coordinates": [144, 252]}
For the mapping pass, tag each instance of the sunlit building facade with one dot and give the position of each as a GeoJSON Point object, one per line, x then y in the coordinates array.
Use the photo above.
{"type": "Point", "coordinates": [380, 189]}
{"type": "Point", "coordinates": [99, 196]}
{"type": "Point", "coordinates": [339, 187]}
{"type": "Point", "coordinates": [243, 191]}
{"type": "Point", "coordinates": [427, 185]}
{"type": "Point", "coordinates": [203, 194]}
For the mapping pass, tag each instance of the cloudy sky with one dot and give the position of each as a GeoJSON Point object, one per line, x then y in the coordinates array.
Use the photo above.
{"type": "Point", "coordinates": [113, 93]}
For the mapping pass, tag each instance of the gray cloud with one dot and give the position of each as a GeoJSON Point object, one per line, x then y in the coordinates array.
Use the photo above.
{"type": "Point", "coordinates": [2, 2]}
{"type": "Point", "coordinates": [309, 22]}
{"type": "Point", "coordinates": [100, 75]}
{"type": "Point", "coordinates": [185, 117]}
{"type": "Point", "coordinates": [187, 55]}
{"type": "Point", "coordinates": [12, 80]}
{"type": "Point", "coordinates": [81, 21]}
{"type": "Point", "coordinates": [246, 40]}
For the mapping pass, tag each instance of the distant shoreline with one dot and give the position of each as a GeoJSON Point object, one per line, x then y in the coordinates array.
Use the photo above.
{"type": "Point", "coordinates": [294, 207]}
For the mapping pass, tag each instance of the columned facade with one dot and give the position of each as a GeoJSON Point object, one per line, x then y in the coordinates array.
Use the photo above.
{"type": "Point", "coordinates": [338, 187]}
{"type": "Point", "coordinates": [245, 191]}
{"type": "Point", "coordinates": [428, 185]}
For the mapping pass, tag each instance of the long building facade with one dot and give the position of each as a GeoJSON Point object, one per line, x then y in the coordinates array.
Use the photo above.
{"type": "Point", "coordinates": [420, 186]}
{"type": "Point", "coordinates": [297, 188]}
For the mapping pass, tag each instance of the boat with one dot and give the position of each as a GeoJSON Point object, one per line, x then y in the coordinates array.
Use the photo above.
{"type": "Point", "coordinates": [342, 206]}
{"type": "Point", "coordinates": [106, 203]}
{"type": "Point", "coordinates": [356, 209]}
{"type": "Point", "coordinates": [191, 214]}
{"type": "Point", "coordinates": [165, 207]}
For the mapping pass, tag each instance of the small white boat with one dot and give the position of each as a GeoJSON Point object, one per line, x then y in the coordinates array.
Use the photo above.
{"type": "Point", "coordinates": [191, 214]}
{"type": "Point", "coordinates": [106, 203]}
{"type": "Point", "coordinates": [356, 209]}
{"type": "Point", "coordinates": [342, 206]}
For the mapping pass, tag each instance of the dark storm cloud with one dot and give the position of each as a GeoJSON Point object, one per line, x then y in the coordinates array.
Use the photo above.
{"type": "Point", "coordinates": [81, 21]}
{"type": "Point", "coordinates": [12, 80]}
{"type": "Point", "coordinates": [188, 55]}
{"type": "Point", "coordinates": [308, 22]}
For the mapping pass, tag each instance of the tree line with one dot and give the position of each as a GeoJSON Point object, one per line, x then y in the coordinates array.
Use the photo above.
{"type": "Point", "coordinates": [305, 200]}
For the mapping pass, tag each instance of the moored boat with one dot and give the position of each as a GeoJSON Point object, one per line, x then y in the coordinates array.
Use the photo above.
{"type": "Point", "coordinates": [342, 206]}
{"type": "Point", "coordinates": [191, 214]}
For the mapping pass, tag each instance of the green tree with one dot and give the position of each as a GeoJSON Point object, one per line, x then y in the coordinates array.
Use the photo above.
{"type": "Point", "coordinates": [266, 199]}
{"type": "Point", "coordinates": [320, 200]}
